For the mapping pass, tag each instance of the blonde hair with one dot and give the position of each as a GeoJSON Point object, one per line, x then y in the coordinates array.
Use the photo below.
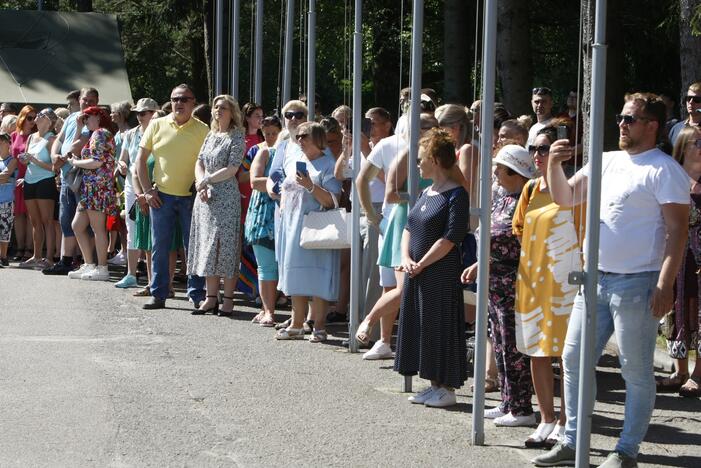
{"type": "Point", "coordinates": [236, 117]}
{"type": "Point", "coordinates": [685, 137]}
{"type": "Point", "coordinates": [452, 114]}
{"type": "Point", "coordinates": [316, 133]}
{"type": "Point", "coordinates": [295, 104]}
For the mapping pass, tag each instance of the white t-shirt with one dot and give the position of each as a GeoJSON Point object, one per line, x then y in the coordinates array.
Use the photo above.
{"type": "Point", "coordinates": [533, 131]}
{"type": "Point", "coordinates": [633, 188]}
{"type": "Point", "coordinates": [385, 152]}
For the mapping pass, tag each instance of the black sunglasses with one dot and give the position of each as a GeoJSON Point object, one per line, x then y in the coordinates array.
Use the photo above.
{"type": "Point", "coordinates": [181, 99]}
{"type": "Point", "coordinates": [628, 119]}
{"type": "Point", "coordinates": [302, 136]}
{"type": "Point", "coordinates": [543, 90]}
{"type": "Point", "coordinates": [143, 113]}
{"type": "Point", "coordinates": [541, 149]}
{"type": "Point", "coordinates": [31, 118]}
{"type": "Point", "coordinates": [289, 115]}
{"type": "Point", "coordinates": [694, 99]}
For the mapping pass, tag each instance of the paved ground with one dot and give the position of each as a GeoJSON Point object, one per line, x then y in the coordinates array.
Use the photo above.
{"type": "Point", "coordinates": [89, 379]}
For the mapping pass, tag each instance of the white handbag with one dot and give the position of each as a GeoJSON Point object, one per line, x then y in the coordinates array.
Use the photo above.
{"type": "Point", "coordinates": [327, 229]}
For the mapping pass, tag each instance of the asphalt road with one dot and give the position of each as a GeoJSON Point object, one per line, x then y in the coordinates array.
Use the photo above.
{"type": "Point", "coordinates": [87, 378]}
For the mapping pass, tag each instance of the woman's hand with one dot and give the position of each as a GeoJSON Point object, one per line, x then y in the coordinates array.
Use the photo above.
{"type": "Point", "coordinates": [202, 184]}
{"type": "Point", "coordinates": [122, 167]}
{"type": "Point", "coordinates": [561, 151]}
{"type": "Point", "coordinates": [19, 183]}
{"type": "Point", "coordinates": [408, 265]}
{"type": "Point", "coordinates": [469, 275]}
{"type": "Point", "coordinates": [202, 193]}
{"type": "Point", "coordinates": [143, 204]}
{"type": "Point", "coordinates": [304, 180]}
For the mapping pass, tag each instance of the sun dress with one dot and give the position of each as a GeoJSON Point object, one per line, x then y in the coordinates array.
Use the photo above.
{"type": "Point", "coordinates": [260, 220]}
{"type": "Point", "coordinates": [550, 250]}
{"type": "Point", "coordinates": [431, 336]}
{"type": "Point", "coordinates": [215, 231]}
{"type": "Point", "coordinates": [97, 192]}
{"type": "Point", "coordinates": [305, 272]}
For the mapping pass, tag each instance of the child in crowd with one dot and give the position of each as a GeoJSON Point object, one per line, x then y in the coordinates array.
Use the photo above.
{"type": "Point", "coordinates": [8, 175]}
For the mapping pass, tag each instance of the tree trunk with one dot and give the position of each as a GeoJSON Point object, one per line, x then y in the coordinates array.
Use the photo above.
{"type": "Point", "coordinates": [689, 46]}
{"type": "Point", "coordinates": [207, 19]}
{"type": "Point", "coordinates": [514, 63]}
{"type": "Point", "coordinates": [457, 32]}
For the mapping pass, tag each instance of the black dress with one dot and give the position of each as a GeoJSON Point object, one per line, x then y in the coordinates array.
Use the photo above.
{"type": "Point", "coordinates": [431, 337]}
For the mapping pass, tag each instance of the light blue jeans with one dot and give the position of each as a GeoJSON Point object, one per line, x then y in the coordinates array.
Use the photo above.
{"type": "Point", "coordinates": [623, 308]}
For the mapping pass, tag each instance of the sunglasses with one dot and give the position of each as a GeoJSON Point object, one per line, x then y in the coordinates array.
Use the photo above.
{"type": "Point", "coordinates": [694, 99]}
{"type": "Point", "coordinates": [543, 90]}
{"type": "Point", "coordinates": [629, 119]}
{"type": "Point", "coordinates": [182, 99]}
{"type": "Point", "coordinates": [143, 113]}
{"type": "Point", "coordinates": [542, 150]}
{"type": "Point", "coordinates": [31, 118]}
{"type": "Point", "coordinates": [302, 136]}
{"type": "Point", "coordinates": [294, 115]}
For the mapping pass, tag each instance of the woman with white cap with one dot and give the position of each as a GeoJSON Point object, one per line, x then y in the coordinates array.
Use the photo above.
{"type": "Point", "coordinates": [513, 168]}
{"type": "Point", "coordinates": [144, 108]}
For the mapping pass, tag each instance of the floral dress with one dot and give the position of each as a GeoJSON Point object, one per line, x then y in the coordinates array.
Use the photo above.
{"type": "Point", "coordinates": [97, 192]}
{"type": "Point", "coordinates": [513, 367]}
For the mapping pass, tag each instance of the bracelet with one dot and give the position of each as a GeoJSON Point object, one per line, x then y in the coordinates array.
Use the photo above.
{"type": "Point", "coordinates": [149, 191]}
{"type": "Point", "coordinates": [311, 189]}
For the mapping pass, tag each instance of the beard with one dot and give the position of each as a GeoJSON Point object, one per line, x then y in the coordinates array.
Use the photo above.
{"type": "Point", "coordinates": [625, 142]}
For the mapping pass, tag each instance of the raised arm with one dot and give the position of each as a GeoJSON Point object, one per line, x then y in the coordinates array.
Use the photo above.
{"type": "Point", "coordinates": [564, 192]}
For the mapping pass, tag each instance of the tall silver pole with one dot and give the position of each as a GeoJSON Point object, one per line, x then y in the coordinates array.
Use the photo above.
{"type": "Point", "coordinates": [417, 28]}
{"type": "Point", "coordinates": [235, 45]}
{"type": "Point", "coordinates": [487, 129]}
{"type": "Point", "coordinates": [587, 359]}
{"type": "Point", "coordinates": [355, 294]}
{"type": "Point", "coordinates": [218, 46]}
{"type": "Point", "coordinates": [289, 35]}
{"type": "Point", "coordinates": [258, 86]}
{"type": "Point", "coordinates": [311, 59]}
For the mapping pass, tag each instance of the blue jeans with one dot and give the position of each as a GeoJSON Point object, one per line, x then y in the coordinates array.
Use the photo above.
{"type": "Point", "coordinates": [67, 205]}
{"type": "Point", "coordinates": [173, 209]}
{"type": "Point", "coordinates": [623, 308]}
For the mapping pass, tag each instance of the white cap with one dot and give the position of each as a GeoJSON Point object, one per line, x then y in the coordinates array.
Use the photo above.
{"type": "Point", "coordinates": [517, 158]}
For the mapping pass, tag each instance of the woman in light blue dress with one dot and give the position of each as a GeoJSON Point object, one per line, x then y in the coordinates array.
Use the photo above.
{"type": "Point", "coordinates": [305, 273]}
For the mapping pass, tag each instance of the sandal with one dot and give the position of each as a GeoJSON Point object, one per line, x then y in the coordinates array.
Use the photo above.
{"type": "Point", "coordinates": [284, 324]}
{"type": "Point", "coordinates": [693, 390]}
{"type": "Point", "coordinates": [267, 321]}
{"type": "Point", "coordinates": [362, 336]}
{"type": "Point", "coordinates": [227, 313]}
{"type": "Point", "coordinates": [490, 385]}
{"type": "Point", "coordinates": [318, 336]}
{"type": "Point", "coordinates": [538, 438]}
{"type": "Point", "coordinates": [258, 317]}
{"type": "Point", "coordinates": [671, 384]}
{"type": "Point", "coordinates": [557, 435]}
{"type": "Point", "coordinates": [290, 333]}
{"type": "Point", "coordinates": [212, 310]}
{"type": "Point", "coordinates": [308, 326]}
{"type": "Point", "coordinates": [145, 292]}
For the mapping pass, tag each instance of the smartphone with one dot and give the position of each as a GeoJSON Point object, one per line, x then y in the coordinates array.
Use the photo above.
{"type": "Point", "coordinates": [302, 167]}
{"type": "Point", "coordinates": [365, 126]}
{"type": "Point", "coordinates": [562, 133]}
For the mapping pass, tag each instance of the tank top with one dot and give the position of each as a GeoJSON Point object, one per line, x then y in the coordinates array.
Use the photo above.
{"type": "Point", "coordinates": [7, 190]}
{"type": "Point", "coordinates": [39, 147]}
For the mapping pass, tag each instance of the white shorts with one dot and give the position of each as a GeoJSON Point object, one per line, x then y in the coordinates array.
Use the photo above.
{"type": "Point", "coordinates": [129, 200]}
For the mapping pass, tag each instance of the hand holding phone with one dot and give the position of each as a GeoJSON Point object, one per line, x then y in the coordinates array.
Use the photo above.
{"type": "Point", "coordinates": [302, 168]}
{"type": "Point", "coordinates": [562, 133]}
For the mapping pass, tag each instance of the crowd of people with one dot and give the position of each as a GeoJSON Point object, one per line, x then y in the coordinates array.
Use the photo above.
{"type": "Point", "coordinates": [225, 191]}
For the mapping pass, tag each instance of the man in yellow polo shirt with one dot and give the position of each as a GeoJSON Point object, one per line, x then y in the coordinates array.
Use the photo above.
{"type": "Point", "coordinates": [175, 141]}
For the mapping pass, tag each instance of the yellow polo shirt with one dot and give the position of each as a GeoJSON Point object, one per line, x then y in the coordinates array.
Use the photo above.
{"type": "Point", "coordinates": [175, 149]}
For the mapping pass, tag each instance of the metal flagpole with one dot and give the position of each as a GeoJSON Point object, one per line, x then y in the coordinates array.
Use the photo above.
{"type": "Point", "coordinates": [258, 76]}
{"type": "Point", "coordinates": [311, 59]}
{"type": "Point", "coordinates": [587, 359]}
{"type": "Point", "coordinates": [357, 161]}
{"type": "Point", "coordinates": [235, 33]}
{"type": "Point", "coordinates": [487, 129]}
{"type": "Point", "coordinates": [289, 34]}
{"type": "Point", "coordinates": [218, 46]}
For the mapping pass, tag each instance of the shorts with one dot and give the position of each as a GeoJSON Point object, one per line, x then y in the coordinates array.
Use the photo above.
{"type": "Point", "coordinates": [67, 205]}
{"type": "Point", "coordinates": [43, 190]}
{"type": "Point", "coordinates": [7, 217]}
{"type": "Point", "coordinates": [267, 265]}
{"type": "Point", "coordinates": [129, 200]}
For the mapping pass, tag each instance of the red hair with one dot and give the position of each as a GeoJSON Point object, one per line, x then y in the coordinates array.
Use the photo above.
{"type": "Point", "coordinates": [105, 120]}
{"type": "Point", "coordinates": [23, 116]}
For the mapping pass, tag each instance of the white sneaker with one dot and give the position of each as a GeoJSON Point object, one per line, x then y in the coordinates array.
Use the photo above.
{"type": "Point", "coordinates": [78, 274]}
{"type": "Point", "coordinates": [493, 413]}
{"type": "Point", "coordinates": [509, 420]}
{"type": "Point", "coordinates": [421, 397]}
{"type": "Point", "coordinates": [441, 398]}
{"type": "Point", "coordinates": [380, 350]}
{"type": "Point", "coordinates": [119, 260]}
{"type": "Point", "coordinates": [99, 273]}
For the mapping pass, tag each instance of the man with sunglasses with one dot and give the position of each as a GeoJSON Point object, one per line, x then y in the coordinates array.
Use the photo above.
{"type": "Point", "coordinates": [542, 103]}
{"type": "Point", "coordinates": [643, 229]}
{"type": "Point", "coordinates": [175, 141]}
{"type": "Point", "coordinates": [693, 107]}
{"type": "Point", "coordinates": [67, 202]}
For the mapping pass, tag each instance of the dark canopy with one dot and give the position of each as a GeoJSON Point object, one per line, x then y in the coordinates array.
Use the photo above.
{"type": "Point", "coordinates": [46, 54]}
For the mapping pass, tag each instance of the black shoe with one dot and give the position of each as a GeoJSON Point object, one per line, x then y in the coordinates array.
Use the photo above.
{"type": "Point", "coordinates": [336, 317]}
{"type": "Point", "coordinates": [58, 268]}
{"type": "Point", "coordinates": [155, 303]}
{"type": "Point", "coordinates": [212, 310]}
{"type": "Point", "coordinates": [346, 344]}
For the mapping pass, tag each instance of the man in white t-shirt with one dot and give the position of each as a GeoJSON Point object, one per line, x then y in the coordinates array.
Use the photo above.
{"type": "Point", "coordinates": [542, 103]}
{"type": "Point", "coordinates": [643, 231]}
